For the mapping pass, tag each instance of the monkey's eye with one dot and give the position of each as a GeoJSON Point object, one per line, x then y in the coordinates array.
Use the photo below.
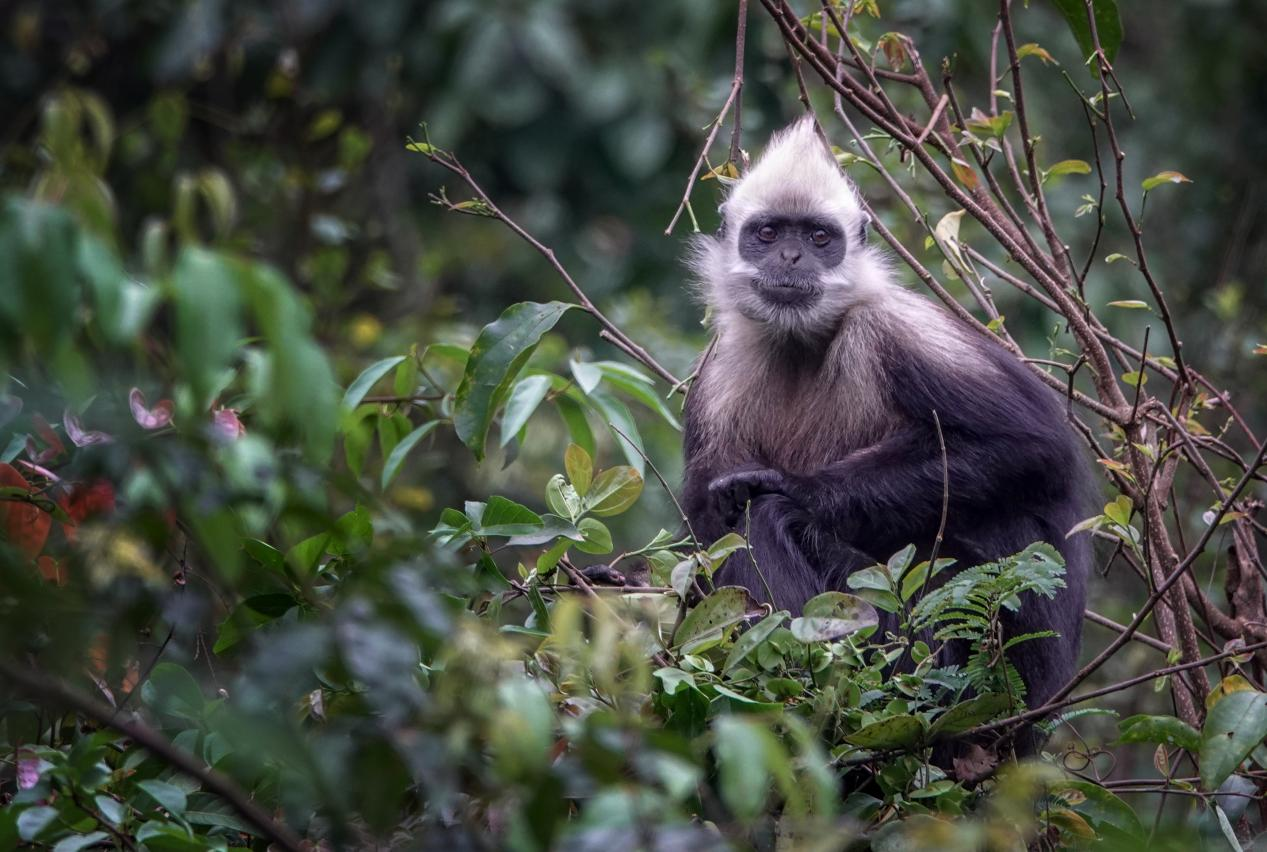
{"type": "Point", "coordinates": [820, 238]}
{"type": "Point", "coordinates": [766, 233]}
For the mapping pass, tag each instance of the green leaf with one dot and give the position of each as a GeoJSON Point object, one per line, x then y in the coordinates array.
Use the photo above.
{"type": "Point", "coordinates": [504, 517]}
{"type": "Point", "coordinates": [707, 622]}
{"type": "Point", "coordinates": [725, 546]}
{"type": "Point", "coordinates": [266, 555]}
{"type": "Point", "coordinates": [1164, 177]}
{"type": "Point", "coordinates": [1116, 256]}
{"type": "Point", "coordinates": [969, 714]}
{"type": "Point", "coordinates": [579, 467]}
{"type": "Point", "coordinates": [368, 378]}
{"type": "Point", "coordinates": [79, 841]}
{"type": "Point", "coordinates": [524, 398]}
{"type": "Point", "coordinates": [1131, 304]}
{"type": "Point", "coordinates": [598, 539]}
{"type": "Point", "coordinates": [1066, 167]}
{"type": "Point", "coordinates": [396, 459]}
{"type": "Point", "coordinates": [573, 414]}
{"type": "Point", "coordinates": [613, 491]}
{"type": "Point", "coordinates": [623, 427]}
{"type": "Point", "coordinates": [639, 387]}
{"type": "Point", "coordinates": [832, 615]}
{"type": "Point", "coordinates": [32, 821]}
{"type": "Point", "coordinates": [170, 797]}
{"type": "Point", "coordinates": [751, 638]}
{"type": "Point", "coordinates": [1103, 808]}
{"type": "Point", "coordinates": [1233, 728]}
{"type": "Point", "coordinates": [744, 776]}
{"type": "Point", "coordinates": [1119, 511]}
{"type": "Point", "coordinates": [303, 556]}
{"type": "Point", "coordinates": [205, 288]}
{"type": "Point", "coordinates": [1108, 25]}
{"type": "Point", "coordinates": [904, 731]}
{"type": "Point", "coordinates": [1162, 730]}
{"type": "Point", "coordinates": [496, 357]}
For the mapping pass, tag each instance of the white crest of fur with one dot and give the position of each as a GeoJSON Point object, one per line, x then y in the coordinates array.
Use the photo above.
{"type": "Point", "coordinates": [796, 173]}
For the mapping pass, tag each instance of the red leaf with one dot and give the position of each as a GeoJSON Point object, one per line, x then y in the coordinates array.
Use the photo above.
{"type": "Point", "coordinates": [24, 525]}
{"type": "Point", "coordinates": [54, 444]}
{"type": "Point", "coordinates": [149, 418]}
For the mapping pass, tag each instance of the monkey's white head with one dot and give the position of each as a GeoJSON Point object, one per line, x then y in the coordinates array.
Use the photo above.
{"type": "Point", "coordinates": [791, 256]}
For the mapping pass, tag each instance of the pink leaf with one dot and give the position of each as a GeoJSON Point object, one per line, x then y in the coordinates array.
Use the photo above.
{"type": "Point", "coordinates": [226, 425]}
{"type": "Point", "coordinates": [28, 770]}
{"type": "Point", "coordinates": [149, 418]}
{"type": "Point", "coordinates": [80, 438]}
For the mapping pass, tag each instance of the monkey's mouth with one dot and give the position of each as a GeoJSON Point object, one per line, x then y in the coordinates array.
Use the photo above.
{"type": "Point", "coordinates": [788, 292]}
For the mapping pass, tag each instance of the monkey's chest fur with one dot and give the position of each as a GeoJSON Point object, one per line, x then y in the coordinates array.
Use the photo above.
{"type": "Point", "coordinates": [795, 408]}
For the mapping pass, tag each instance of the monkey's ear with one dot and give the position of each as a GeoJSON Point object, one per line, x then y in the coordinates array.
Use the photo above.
{"type": "Point", "coordinates": [863, 226]}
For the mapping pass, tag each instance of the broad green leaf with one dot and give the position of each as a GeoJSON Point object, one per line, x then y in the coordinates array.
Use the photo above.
{"type": "Point", "coordinates": [1103, 808]}
{"type": "Point", "coordinates": [724, 546]}
{"type": "Point", "coordinates": [524, 398]}
{"type": "Point", "coordinates": [1163, 730]}
{"type": "Point", "coordinates": [752, 637]}
{"type": "Point", "coordinates": [579, 467]}
{"type": "Point", "coordinates": [266, 555]}
{"type": "Point", "coordinates": [638, 387]}
{"type": "Point", "coordinates": [832, 615]}
{"type": "Point", "coordinates": [250, 615]}
{"type": "Point", "coordinates": [672, 679]}
{"type": "Point", "coordinates": [303, 557]}
{"type": "Point", "coordinates": [613, 491]}
{"type": "Point", "coordinates": [367, 379]}
{"type": "Point", "coordinates": [1233, 728]}
{"type": "Point", "coordinates": [598, 539]}
{"type": "Point", "coordinates": [903, 731]}
{"type": "Point", "coordinates": [744, 776]}
{"type": "Point", "coordinates": [587, 375]}
{"type": "Point", "coordinates": [969, 714]}
{"type": "Point", "coordinates": [170, 797]}
{"type": "Point", "coordinates": [1228, 685]}
{"type": "Point", "coordinates": [504, 517]}
{"type": "Point", "coordinates": [396, 459]}
{"type": "Point", "coordinates": [32, 821]}
{"type": "Point", "coordinates": [1108, 25]}
{"type": "Point", "coordinates": [707, 622]}
{"type": "Point", "coordinates": [205, 288]}
{"type": "Point", "coordinates": [496, 358]}
{"type": "Point", "coordinates": [1164, 177]}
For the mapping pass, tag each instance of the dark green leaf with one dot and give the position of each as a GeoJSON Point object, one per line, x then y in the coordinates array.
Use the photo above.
{"type": "Point", "coordinates": [496, 357]}
{"type": "Point", "coordinates": [1108, 25]}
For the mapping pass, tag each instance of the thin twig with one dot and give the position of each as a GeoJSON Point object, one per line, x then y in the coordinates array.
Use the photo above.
{"type": "Point", "coordinates": [54, 690]}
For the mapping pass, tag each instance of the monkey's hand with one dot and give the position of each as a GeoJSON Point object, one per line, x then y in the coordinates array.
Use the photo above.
{"type": "Point", "coordinates": [732, 492]}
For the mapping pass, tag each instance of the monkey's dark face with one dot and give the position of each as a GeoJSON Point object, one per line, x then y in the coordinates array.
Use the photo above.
{"type": "Point", "coordinates": [791, 256]}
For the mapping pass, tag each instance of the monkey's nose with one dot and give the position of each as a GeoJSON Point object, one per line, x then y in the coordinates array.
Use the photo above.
{"type": "Point", "coordinates": [790, 255]}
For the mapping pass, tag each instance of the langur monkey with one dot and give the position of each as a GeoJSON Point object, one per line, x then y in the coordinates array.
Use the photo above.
{"type": "Point", "coordinates": [813, 423]}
